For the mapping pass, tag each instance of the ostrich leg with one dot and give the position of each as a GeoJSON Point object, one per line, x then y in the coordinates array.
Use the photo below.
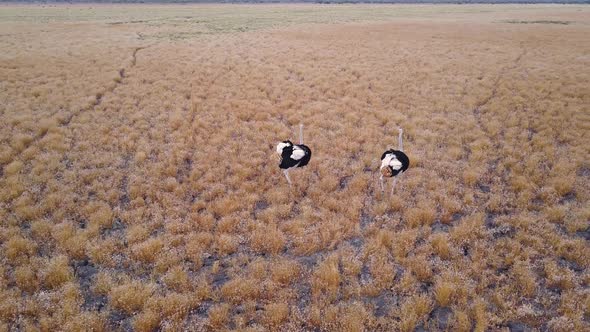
{"type": "Point", "coordinates": [301, 133]}
{"type": "Point", "coordinates": [287, 176]}
{"type": "Point", "coordinates": [393, 185]}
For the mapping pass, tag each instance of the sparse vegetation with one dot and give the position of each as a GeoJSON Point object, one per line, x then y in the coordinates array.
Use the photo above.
{"type": "Point", "coordinates": [139, 189]}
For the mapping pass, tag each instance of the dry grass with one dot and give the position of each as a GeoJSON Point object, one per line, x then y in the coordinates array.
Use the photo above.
{"type": "Point", "coordinates": [130, 296]}
{"type": "Point", "coordinates": [139, 189]}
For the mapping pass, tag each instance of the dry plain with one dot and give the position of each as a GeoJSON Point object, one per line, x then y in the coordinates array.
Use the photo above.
{"type": "Point", "coordinates": [139, 189]}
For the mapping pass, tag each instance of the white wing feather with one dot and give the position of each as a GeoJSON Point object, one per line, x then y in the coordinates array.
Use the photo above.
{"type": "Point", "coordinates": [386, 160]}
{"type": "Point", "coordinates": [395, 164]}
{"type": "Point", "coordinates": [391, 160]}
{"type": "Point", "coordinates": [297, 153]}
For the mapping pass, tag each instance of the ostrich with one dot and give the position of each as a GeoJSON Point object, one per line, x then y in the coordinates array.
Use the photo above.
{"type": "Point", "coordinates": [293, 155]}
{"type": "Point", "coordinates": [394, 163]}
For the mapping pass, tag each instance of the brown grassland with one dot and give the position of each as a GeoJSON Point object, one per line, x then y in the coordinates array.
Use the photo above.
{"type": "Point", "coordinates": [139, 188]}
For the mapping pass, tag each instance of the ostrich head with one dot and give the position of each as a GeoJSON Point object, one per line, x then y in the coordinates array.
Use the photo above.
{"type": "Point", "coordinates": [386, 171]}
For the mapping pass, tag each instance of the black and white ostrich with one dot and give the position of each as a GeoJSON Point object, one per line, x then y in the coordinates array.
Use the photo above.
{"type": "Point", "coordinates": [394, 163]}
{"type": "Point", "coordinates": [293, 155]}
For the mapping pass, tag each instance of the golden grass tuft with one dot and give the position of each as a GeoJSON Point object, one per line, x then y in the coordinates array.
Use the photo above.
{"type": "Point", "coordinates": [14, 167]}
{"type": "Point", "coordinates": [480, 315]}
{"type": "Point", "coordinates": [146, 321]}
{"type": "Point", "coordinates": [471, 177]}
{"type": "Point", "coordinates": [56, 272]}
{"type": "Point", "coordinates": [556, 214]}
{"type": "Point", "coordinates": [275, 313]}
{"type": "Point", "coordinates": [423, 215]}
{"type": "Point", "coordinates": [137, 233]}
{"type": "Point", "coordinates": [443, 293]}
{"type": "Point", "coordinates": [226, 244]}
{"type": "Point", "coordinates": [240, 289]}
{"type": "Point", "coordinates": [576, 251]}
{"type": "Point", "coordinates": [177, 279]}
{"type": "Point", "coordinates": [140, 157]}
{"type": "Point", "coordinates": [413, 311]}
{"type": "Point", "coordinates": [267, 239]}
{"type": "Point", "coordinates": [525, 279]}
{"type": "Point", "coordinates": [25, 208]}
{"type": "Point", "coordinates": [219, 315]}
{"type": "Point", "coordinates": [101, 216]}
{"type": "Point", "coordinates": [404, 243]}
{"type": "Point", "coordinates": [350, 317]}
{"type": "Point", "coordinates": [101, 252]}
{"type": "Point", "coordinates": [87, 321]}
{"type": "Point", "coordinates": [175, 306]}
{"type": "Point", "coordinates": [469, 229]}
{"type": "Point", "coordinates": [17, 249]}
{"type": "Point", "coordinates": [102, 283]}
{"type": "Point", "coordinates": [26, 278]}
{"type": "Point", "coordinates": [326, 278]}
{"type": "Point", "coordinates": [420, 267]}
{"type": "Point", "coordinates": [563, 185]}
{"type": "Point", "coordinates": [131, 296]}
{"type": "Point", "coordinates": [441, 246]}
{"type": "Point", "coordinates": [12, 187]}
{"type": "Point", "coordinates": [382, 271]}
{"type": "Point", "coordinates": [285, 272]}
{"type": "Point", "coordinates": [462, 322]}
{"type": "Point", "coordinates": [40, 230]}
{"type": "Point", "coordinates": [148, 250]}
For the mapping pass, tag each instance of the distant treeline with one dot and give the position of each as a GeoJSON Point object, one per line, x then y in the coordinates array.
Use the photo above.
{"type": "Point", "coordinates": [316, 1]}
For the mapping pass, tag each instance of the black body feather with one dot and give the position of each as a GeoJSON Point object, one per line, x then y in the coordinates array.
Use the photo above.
{"type": "Point", "coordinates": [288, 162]}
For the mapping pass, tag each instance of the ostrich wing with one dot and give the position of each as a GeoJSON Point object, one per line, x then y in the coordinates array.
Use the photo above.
{"type": "Point", "coordinates": [395, 164]}
{"type": "Point", "coordinates": [391, 160]}
{"type": "Point", "coordinates": [298, 153]}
